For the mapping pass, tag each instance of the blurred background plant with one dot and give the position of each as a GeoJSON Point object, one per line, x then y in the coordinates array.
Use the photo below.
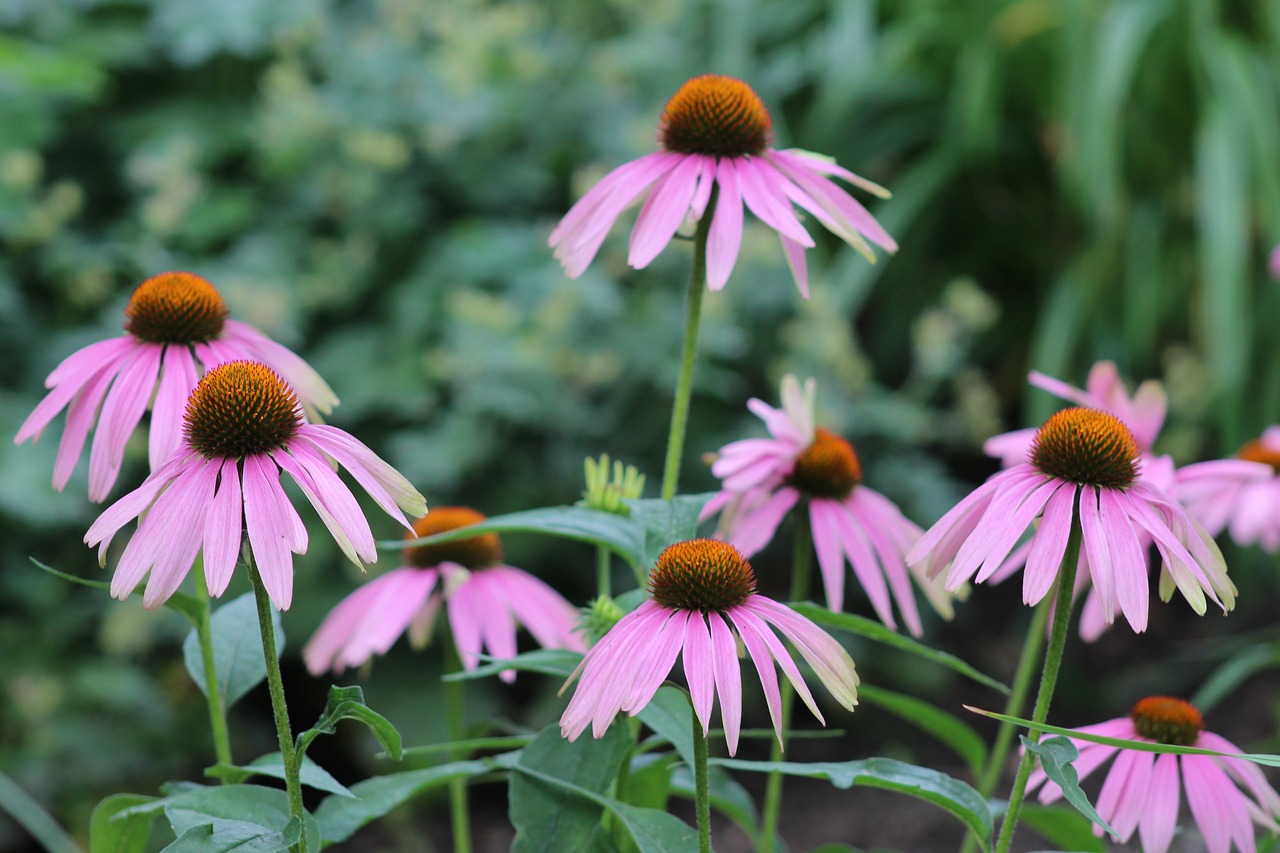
{"type": "Point", "coordinates": [372, 183]}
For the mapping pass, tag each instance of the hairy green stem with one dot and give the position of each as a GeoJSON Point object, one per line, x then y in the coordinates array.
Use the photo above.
{"type": "Point", "coordinates": [212, 687]}
{"type": "Point", "coordinates": [1049, 680]}
{"type": "Point", "coordinates": [801, 566]}
{"type": "Point", "coordinates": [684, 386]}
{"type": "Point", "coordinates": [275, 684]}
{"type": "Point", "coordinates": [702, 790]}
{"type": "Point", "coordinates": [455, 711]}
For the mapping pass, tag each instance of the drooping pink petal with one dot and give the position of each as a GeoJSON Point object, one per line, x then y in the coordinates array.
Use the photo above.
{"type": "Point", "coordinates": [397, 598]}
{"type": "Point", "coordinates": [223, 531]}
{"type": "Point", "coordinates": [332, 500]}
{"type": "Point", "coordinates": [1120, 801]}
{"type": "Point", "coordinates": [827, 166]}
{"type": "Point", "coordinates": [878, 519]}
{"type": "Point", "coordinates": [67, 380]}
{"type": "Point", "coordinates": [1012, 509]}
{"type": "Point", "coordinates": [121, 412]}
{"type": "Point", "coordinates": [706, 182]}
{"type": "Point", "coordinates": [725, 236]}
{"type": "Point", "coordinates": [1128, 561]}
{"type": "Point", "coordinates": [593, 215]}
{"type": "Point", "coordinates": [865, 566]}
{"type": "Point", "coordinates": [829, 660]}
{"type": "Point", "coordinates": [1217, 805]}
{"type": "Point", "coordinates": [549, 617]}
{"type": "Point", "coordinates": [744, 619]}
{"type": "Point", "coordinates": [81, 416]}
{"type": "Point", "coordinates": [1160, 814]}
{"type": "Point", "coordinates": [849, 215]}
{"type": "Point", "coordinates": [1094, 545]}
{"type": "Point", "coordinates": [699, 668]}
{"type": "Point", "coordinates": [268, 517]}
{"type": "Point", "coordinates": [652, 669]}
{"type": "Point", "coordinates": [387, 486]}
{"type": "Point", "coordinates": [829, 551]}
{"type": "Point", "coordinates": [794, 253]}
{"type": "Point", "coordinates": [763, 194]}
{"type": "Point", "coordinates": [1048, 546]}
{"type": "Point", "coordinates": [663, 212]}
{"type": "Point", "coordinates": [758, 651]}
{"type": "Point", "coordinates": [177, 378]}
{"type": "Point", "coordinates": [182, 535]}
{"type": "Point", "coordinates": [728, 679]}
{"type": "Point", "coordinates": [130, 506]}
{"type": "Point", "coordinates": [939, 544]}
{"type": "Point", "coordinates": [751, 535]}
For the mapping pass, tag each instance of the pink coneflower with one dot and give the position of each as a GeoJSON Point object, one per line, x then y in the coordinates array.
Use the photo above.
{"type": "Point", "coordinates": [716, 134]}
{"type": "Point", "coordinates": [1241, 495]}
{"type": "Point", "coordinates": [765, 478]}
{"type": "Point", "coordinates": [699, 589]}
{"type": "Point", "coordinates": [1083, 469]}
{"type": "Point", "coordinates": [243, 423]}
{"type": "Point", "coordinates": [1226, 795]}
{"type": "Point", "coordinates": [177, 327]}
{"type": "Point", "coordinates": [486, 601]}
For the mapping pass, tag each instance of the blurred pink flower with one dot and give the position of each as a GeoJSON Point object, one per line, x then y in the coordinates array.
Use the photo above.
{"type": "Point", "coordinates": [699, 589]}
{"type": "Point", "coordinates": [486, 600]}
{"type": "Point", "coordinates": [1141, 791]}
{"type": "Point", "coordinates": [177, 327]}
{"type": "Point", "coordinates": [1091, 457]}
{"type": "Point", "coordinates": [765, 478]}
{"type": "Point", "coordinates": [715, 133]}
{"type": "Point", "coordinates": [1273, 262]}
{"type": "Point", "coordinates": [242, 425]}
{"type": "Point", "coordinates": [1241, 495]}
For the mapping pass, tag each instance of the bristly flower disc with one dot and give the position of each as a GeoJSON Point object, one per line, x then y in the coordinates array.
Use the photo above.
{"type": "Point", "coordinates": [473, 552]}
{"type": "Point", "coordinates": [827, 468]}
{"type": "Point", "coordinates": [175, 308]}
{"type": "Point", "coordinates": [1165, 719]}
{"type": "Point", "coordinates": [1088, 447]}
{"type": "Point", "coordinates": [716, 115]}
{"type": "Point", "coordinates": [701, 574]}
{"type": "Point", "coordinates": [241, 408]}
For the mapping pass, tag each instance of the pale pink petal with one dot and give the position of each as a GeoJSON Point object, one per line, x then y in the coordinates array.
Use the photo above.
{"type": "Point", "coordinates": [497, 625]}
{"type": "Point", "coordinates": [101, 360]}
{"type": "Point", "coordinates": [121, 411]}
{"type": "Point", "coordinates": [1217, 805]}
{"type": "Point", "coordinates": [177, 378]}
{"type": "Point", "coordinates": [1011, 448]}
{"type": "Point", "coordinates": [1120, 801]}
{"type": "Point", "coordinates": [745, 619]}
{"type": "Point", "coordinates": [663, 212]}
{"type": "Point", "coordinates": [332, 499]}
{"type": "Point", "coordinates": [877, 518]}
{"type": "Point", "coordinates": [466, 615]}
{"type": "Point", "coordinates": [594, 214]}
{"type": "Point", "coordinates": [825, 530]}
{"type": "Point", "coordinates": [1128, 561]}
{"type": "Point", "coordinates": [1245, 772]}
{"type": "Point", "coordinates": [939, 544]}
{"type": "Point", "coordinates": [865, 566]}
{"type": "Point", "coordinates": [1094, 544]}
{"type": "Point", "coordinates": [794, 253]}
{"type": "Point", "coordinates": [848, 214]}
{"type": "Point", "coordinates": [268, 521]}
{"type": "Point", "coordinates": [728, 679]}
{"type": "Point", "coordinates": [182, 533]}
{"type": "Point", "coordinates": [549, 617]}
{"type": "Point", "coordinates": [756, 530]}
{"type": "Point", "coordinates": [81, 416]}
{"type": "Point", "coordinates": [653, 668]}
{"type": "Point", "coordinates": [749, 630]}
{"type": "Point", "coordinates": [223, 531]}
{"type": "Point", "coordinates": [829, 660]}
{"type": "Point", "coordinates": [387, 486]}
{"type": "Point", "coordinates": [1160, 816]}
{"type": "Point", "coordinates": [763, 194]}
{"type": "Point", "coordinates": [397, 598]}
{"type": "Point", "coordinates": [699, 668]}
{"type": "Point", "coordinates": [1048, 546]}
{"type": "Point", "coordinates": [706, 182]}
{"type": "Point", "coordinates": [725, 236]}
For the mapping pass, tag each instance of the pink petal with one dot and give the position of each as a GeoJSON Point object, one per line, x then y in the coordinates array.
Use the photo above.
{"type": "Point", "coordinates": [794, 253]}
{"type": "Point", "coordinates": [725, 236]}
{"type": "Point", "coordinates": [1128, 561]}
{"type": "Point", "coordinates": [755, 531]}
{"type": "Point", "coordinates": [1048, 546]}
{"type": "Point", "coordinates": [829, 551]}
{"type": "Point", "coordinates": [177, 380]}
{"type": "Point", "coordinates": [121, 412]}
{"type": "Point", "coordinates": [728, 679]}
{"type": "Point", "coordinates": [332, 500]}
{"type": "Point", "coordinates": [81, 416]}
{"type": "Point", "coordinates": [699, 668]}
{"type": "Point", "coordinates": [663, 212]}
{"type": "Point", "coordinates": [762, 191]}
{"type": "Point", "coordinates": [1120, 801]}
{"type": "Point", "coordinates": [269, 520]}
{"type": "Point", "coordinates": [1160, 817]}
{"type": "Point", "coordinates": [223, 530]}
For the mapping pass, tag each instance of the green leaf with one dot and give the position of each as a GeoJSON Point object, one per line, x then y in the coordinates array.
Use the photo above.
{"type": "Point", "coordinates": [666, 522]}
{"type": "Point", "coordinates": [949, 729]}
{"type": "Point", "coordinates": [1056, 755]}
{"type": "Point", "coordinates": [243, 818]}
{"type": "Point", "coordinates": [229, 835]}
{"type": "Point", "coordinates": [127, 835]}
{"type": "Point", "coordinates": [558, 663]}
{"type": "Point", "coordinates": [873, 630]}
{"type": "Point", "coordinates": [1065, 827]}
{"type": "Point", "coordinates": [340, 817]}
{"type": "Point", "coordinates": [649, 784]}
{"type": "Point", "coordinates": [618, 534]}
{"type": "Point", "coordinates": [728, 797]}
{"type": "Point", "coordinates": [31, 816]}
{"type": "Point", "coordinates": [543, 817]}
{"type": "Point", "coordinates": [671, 718]}
{"type": "Point", "coordinates": [180, 602]}
{"type": "Point", "coordinates": [272, 764]}
{"type": "Point", "coordinates": [237, 649]}
{"type": "Point", "coordinates": [347, 703]}
{"type": "Point", "coordinates": [941, 790]}
{"type": "Point", "coordinates": [1233, 673]}
{"type": "Point", "coordinates": [1264, 759]}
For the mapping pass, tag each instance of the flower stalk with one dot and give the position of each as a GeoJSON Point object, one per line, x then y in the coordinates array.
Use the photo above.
{"type": "Point", "coordinates": [701, 788]}
{"type": "Point", "coordinates": [455, 710]}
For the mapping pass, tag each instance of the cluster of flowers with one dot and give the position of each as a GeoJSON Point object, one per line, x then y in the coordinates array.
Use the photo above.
{"type": "Point", "coordinates": [231, 410]}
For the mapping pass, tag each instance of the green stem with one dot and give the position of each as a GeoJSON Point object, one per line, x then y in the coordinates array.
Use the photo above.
{"type": "Point", "coordinates": [31, 816]}
{"type": "Point", "coordinates": [702, 791]}
{"type": "Point", "coordinates": [455, 711]}
{"type": "Point", "coordinates": [1031, 647]}
{"type": "Point", "coordinates": [604, 580]}
{"type": "Point", "coordinates": [212, 687]}
{"type": "Point", "coordinates": [1049, 680]}
{"type": "Point", "coordinates": [801, 565]}
{"type": "Point", "coordinates": [275, 683]}
{"type": "Point", "coordinates": [684, 386]}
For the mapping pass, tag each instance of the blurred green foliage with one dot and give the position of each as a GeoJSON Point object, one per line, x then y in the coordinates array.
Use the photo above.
{"type": "Point", "coordinates": [372, 183]}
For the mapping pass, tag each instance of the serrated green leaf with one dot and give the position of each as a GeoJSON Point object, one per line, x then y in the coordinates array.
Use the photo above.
{"type": "Point", "coordinates": [230, 836]}
{"type": "Point", "coordinates": [310, 774]}
{"type": "Point", "coordinates": [618, 534]}
{"type": "Point", "coordinates": [934, 787]}
{"type": "Point", "coordinates": [237, 649]}
{"type": "Point", "coordinates": [671, 718]}
{"type": "Point", "coordinates": [128, 835]}
{"type": "Point", "coordinates": [545, 819]}
{"type": "Point", "coordinates": [242, 818]}
{"type": "Point", "coordinates": [1056, 755]}
{"type": "Point", "coordinates": [340, 817]}
{"type": "Point", "coordinates": [873, 630]}
{"type": "Point", "coordinates": [347, 703]}
{"type": "Point", "coordinates": [947, 728]}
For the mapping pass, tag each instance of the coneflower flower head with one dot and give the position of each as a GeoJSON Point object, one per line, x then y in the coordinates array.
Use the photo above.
{"type": "Point", "coordinates": [242, 425]}
{"type": "Point", "coordinates": [699, 589]}
{"type": "Point", "coordinates": [1142, 789]}
{"type": "Point", "coordinates": [486, 601]}
{"type": "Point", "coordinates": [716, 135]}
{"type": "Point", "coordinates": [177, 327]}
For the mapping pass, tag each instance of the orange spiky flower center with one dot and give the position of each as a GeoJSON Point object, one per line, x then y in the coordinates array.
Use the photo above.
{"type": "Point", "coordinates": [241, 408]}
{"type": "Point", "coordinates": [1165, 719]}
{"type": "Point", "coordinates": [716, 115]}
{"type": "Point", "coordinates": [701, 574]}
{"type": "Point", "coordinates": [828, 468]}
{"type": "Point", "coordinates": [1088, 447]}
{"type": "Point", "coordinates": [1257, 451]}
{"type": "Point", "coordinates": [472, 552]}
{"type": "Point", "coordinates": [175, 308]}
